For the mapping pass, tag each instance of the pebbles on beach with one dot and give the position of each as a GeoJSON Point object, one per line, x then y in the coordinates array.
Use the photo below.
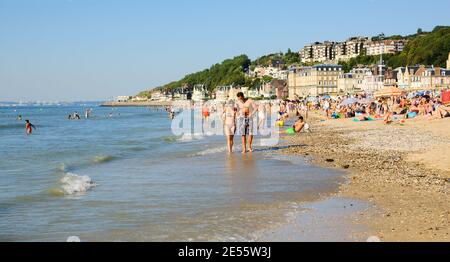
{"type": "Point", "coordinates": [412, 197]}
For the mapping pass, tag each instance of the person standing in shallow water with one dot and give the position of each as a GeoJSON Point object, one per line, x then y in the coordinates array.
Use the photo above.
{"type": "Point", "coordinates": [229, 125]}
{"type": "Point", "coordinates": [29, 127]}
{"type": "Point", "coordinates": [247, 110]}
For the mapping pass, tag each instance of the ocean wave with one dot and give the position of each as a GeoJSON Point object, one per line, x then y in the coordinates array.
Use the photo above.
{"type": "Point", "coordinates": [12, 126]}
{"type": "Point", "coordinates": [210, 151]}
{"type": "Point", "coordinates": [191, 137]}
{"type": "Point", "coordinates": [73, 184]}
{"type": "Point", "coordinates": [137, 149]}
{"type": "Point", "coordinates": [171, 139]}
{"type": "Point", "coordinates": [103, 159]}
{"type": "Point", "coordinates": [166, 139]}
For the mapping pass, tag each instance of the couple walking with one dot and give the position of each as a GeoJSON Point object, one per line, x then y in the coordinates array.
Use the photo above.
{"type": "Point", "coordinates": [238, 119]}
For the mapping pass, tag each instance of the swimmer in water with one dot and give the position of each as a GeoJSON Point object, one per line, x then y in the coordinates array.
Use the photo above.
{"type": "Point", "coordinates": [29, 127]}
{"type": "Point", "coordinates": [19, 118]}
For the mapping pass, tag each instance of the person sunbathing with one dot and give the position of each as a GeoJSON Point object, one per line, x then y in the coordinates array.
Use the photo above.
{"type": "Point", "coordinates": [443, 111]}
{"type": "Point", "coordinates": [299, 126]}
{"type": "Point", "coordinates": [422, 108]}
{"type": "Point", "coordinates": [414, 109]}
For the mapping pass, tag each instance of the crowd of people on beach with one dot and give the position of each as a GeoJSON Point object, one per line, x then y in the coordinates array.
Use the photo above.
{"type": "Point", "coordinates": [243, 116]}
{"type": "Point", "coordinates": [389, 108]}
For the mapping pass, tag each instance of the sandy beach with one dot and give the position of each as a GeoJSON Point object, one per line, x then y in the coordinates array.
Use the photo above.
{"type": "Point", "coordinates": [402, 170]}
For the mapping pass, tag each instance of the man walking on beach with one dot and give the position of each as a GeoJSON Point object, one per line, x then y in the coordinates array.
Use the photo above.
{"type": "Point", "coordinates": [247, 110]}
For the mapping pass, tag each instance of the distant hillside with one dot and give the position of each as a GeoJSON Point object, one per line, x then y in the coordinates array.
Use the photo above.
{"type": "Point", "coordinates": [277, 59]}
{"type": "Point", "coordinates": [230, 71]}
{"type": "Point", "coordinates": [428, 48]}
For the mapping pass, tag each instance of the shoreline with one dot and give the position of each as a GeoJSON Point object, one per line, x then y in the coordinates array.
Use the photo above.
{"type": "Point", "coordinates": [387, 167]}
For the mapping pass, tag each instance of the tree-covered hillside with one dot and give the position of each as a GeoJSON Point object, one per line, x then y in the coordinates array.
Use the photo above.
{"type": "Point", "coordinates": [230, 71]}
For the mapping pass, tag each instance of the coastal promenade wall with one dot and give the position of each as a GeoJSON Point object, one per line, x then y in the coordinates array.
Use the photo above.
{"type": "Point", "coordinates": [136, 104]}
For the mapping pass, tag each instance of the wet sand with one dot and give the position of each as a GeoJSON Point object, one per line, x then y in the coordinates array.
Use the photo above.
{"type": "Point", "coordinates": [328, 220]}
{"type": "Point", "coordinates": [401, 169]}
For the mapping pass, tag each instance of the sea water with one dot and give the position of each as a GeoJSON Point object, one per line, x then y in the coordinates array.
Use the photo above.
{"type": "Point", "coordinates": [121, 175]}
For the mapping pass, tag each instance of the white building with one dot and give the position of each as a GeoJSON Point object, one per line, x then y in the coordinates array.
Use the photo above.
{"type": "Point", "coordinates": [274, 72]}
{"type": "Point", "coordinates": [405, 76]}
{"type": "Point", "coordinates": [139, 99]}
{"type": "Point", "coordinates": [156, 96]}
{"type": "Point", "coordinates": [199, 93]}
{"type": "Point", "coordinates": [358, 80]}
{"type": "Point", "coordinates": [385, 47]}
{"type": "Point", "coordinates": [123, 98]}
{"type": "Point", "coordinates": [222, 93]}
{"type": "Point", "coordinates": [372, 83]}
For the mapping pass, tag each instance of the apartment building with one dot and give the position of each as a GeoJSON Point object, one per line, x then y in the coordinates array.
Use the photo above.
{"type": "Point", "coordinates": [385, 47]}
{"type": "Point", "coordinates": [313, 81]}
{"type": "Point", "coordinates": [318, 52]}
{"type": "Point", "coordinates": [351, 48]}
{"type": "Point", "coordinates": [354, 81]}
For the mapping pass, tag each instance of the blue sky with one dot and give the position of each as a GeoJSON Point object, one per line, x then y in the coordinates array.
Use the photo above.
{"type": "Point", "coordinates": [96, 49]}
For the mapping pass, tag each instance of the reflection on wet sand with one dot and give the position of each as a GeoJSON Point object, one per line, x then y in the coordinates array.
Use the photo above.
{"type": "Point", "coordinates": [243, 173]}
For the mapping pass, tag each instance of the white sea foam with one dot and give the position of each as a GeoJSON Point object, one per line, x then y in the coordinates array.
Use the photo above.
{"type": "Point", "coordinates": [62, 167]}
{"type": "Point", "coordinates": [210, 151]}
{"type": "Point", "coordinates": [191, 137]}
{"type": "Point", "coordinates": [73, 184]}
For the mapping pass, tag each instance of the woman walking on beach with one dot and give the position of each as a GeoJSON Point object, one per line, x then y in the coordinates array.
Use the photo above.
{"type": "Point", "coordinates": [229, 124]}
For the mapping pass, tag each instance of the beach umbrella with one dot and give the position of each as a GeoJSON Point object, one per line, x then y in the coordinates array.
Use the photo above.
{"type": "Point", "coordinates": [390, 91]}
{"type": "Point", "coordinates": [326, 97]}
{"type": "Point", "coordinates": [349, 101]}
{"type": "Point", "coordinates": [311, 99]}
{"type": "Point", "coordinates": [411, 95]}
{"type": "Point", "coordinates": [365, 101]}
